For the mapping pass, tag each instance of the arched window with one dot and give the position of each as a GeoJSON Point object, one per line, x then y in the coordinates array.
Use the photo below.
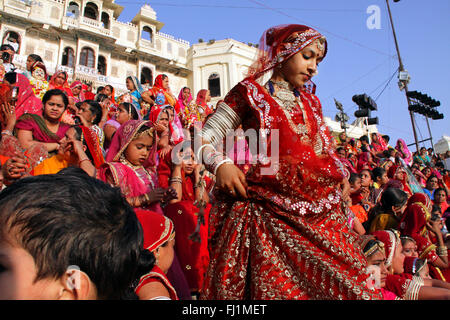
{"type": "Point", "coordinates": [91, 11]}
{"type": "Point", "coordinates": [169, 47]}
{"type": "Point", "coordinates": [105, 20]}
{"type": "Point", "coordinates": [13, 39]}
{"type": "Point", "coordinates": [146, 76]}
{"type": "Point", "coordinates": [73, 10]}
{"type": "Point", "coordinates": [147, 33]}
{"type": "Point", "coordinates": [68, 58]}
{"type": "Point", "coordinates": [214, 85]}
{"type": "Point", "coordinates": [87, 57]}
{"type": "Point", "coordinates": [101, 65]}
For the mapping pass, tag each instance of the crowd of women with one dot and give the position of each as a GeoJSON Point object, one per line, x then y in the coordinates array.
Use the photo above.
{"type": "Point", "coordinates": [395, 203]}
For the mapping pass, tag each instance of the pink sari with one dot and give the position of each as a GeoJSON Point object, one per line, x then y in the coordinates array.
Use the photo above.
{"type": "Point", "coordinates": [136, 181]}
{"type": "Point", "coordinates": [133, 181]}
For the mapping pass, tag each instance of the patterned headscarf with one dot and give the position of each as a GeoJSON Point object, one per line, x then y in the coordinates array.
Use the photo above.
{"type": "Point", "coordinates": [281, 42]}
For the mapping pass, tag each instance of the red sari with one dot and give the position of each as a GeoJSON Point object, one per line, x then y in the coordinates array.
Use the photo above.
{"type": "Point", "coordinates": [290, 239]}
{"type": "Point", "coordinates": [193, 255]}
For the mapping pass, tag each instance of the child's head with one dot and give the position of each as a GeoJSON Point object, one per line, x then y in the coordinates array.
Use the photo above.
{"type": "Point", "coordinates": [159, 238]}
{"type": "Point", "coordinates": [355, 181]}
{"type": "Point", "coordinates": [140, 147]}
{"type": "Point", "coordinates": [67, 236]}
{"type": "Point", "coordinates": [409, 247]}
{"type": "Point", "coordinates": [394, 200]}
{"type": "Point", "coordinates": [366, 178]}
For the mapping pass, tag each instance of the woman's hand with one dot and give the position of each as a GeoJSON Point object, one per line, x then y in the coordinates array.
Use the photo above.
{"type": "Point", "coordinates": [434, 226]}
{"type": "Point", "coordinates": [14, 168]}
{"type": "Point", "coordinates": [156, 195]}
{"type": "Point", "coordinates": [231, 180]}
{"type": "Point", "coordinates": [165, 150]}
{"type": "Point", "coordinates": [346, 188]}
{"type": "Point", "coordinates": [9, 116]}
{"type": "Point", "coordinates": [169, 194]}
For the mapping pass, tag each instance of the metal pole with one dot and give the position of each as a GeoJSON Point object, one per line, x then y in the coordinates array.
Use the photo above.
{"type": "Point", "coordinates": [429, 131]}
{"type": "Point", "coordinates": [401, 68]}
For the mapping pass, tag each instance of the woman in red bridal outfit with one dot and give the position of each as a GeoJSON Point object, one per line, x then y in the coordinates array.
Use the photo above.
{"type": "Point", "coordinates": [280, 230]}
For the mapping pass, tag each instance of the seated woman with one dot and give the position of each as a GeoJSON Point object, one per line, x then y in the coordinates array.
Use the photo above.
{"type": "Point", "coordinates": [383, 250]}
{"type": "Point", "coordinates": [59, 80]}
{"type": "Point", "coordinates": [160, 93]}
{"type": "Point", "coordinates": [46, 129]}
{"type": "Point", "coordinates": [387, 214]}
{"type": "Point", "coordinates": [402, 284]}
{"type": "Point", "coordinates": [79, 148]}
{"type": "Point", "coordinates": [90, 115]}
{"type": "Point", "coordinates": [168, 128]}
{"type": "Point", "coordinates": [189, 211]}
{"type": "Point", "coordinates": [159, 239]}
{"type": "Point", "coordinates": [125, 112]}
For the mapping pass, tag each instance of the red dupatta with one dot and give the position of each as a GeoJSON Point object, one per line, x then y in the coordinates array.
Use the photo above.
{"type": "Point", "coordinates": [93, 144]}
{"type": "Point", "coordinates": [413, 224]}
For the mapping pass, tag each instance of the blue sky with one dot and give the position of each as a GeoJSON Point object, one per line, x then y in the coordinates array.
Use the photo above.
{"type": "Point", "coordinates": [359, 59]}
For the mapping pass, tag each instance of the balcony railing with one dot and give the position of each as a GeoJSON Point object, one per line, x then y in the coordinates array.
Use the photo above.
{"type": "Point", "coordinates": [84, 22]}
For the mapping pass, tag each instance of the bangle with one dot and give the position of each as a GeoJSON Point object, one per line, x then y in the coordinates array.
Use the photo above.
{"type": "Point", "coordinates": [7, 132]}
{"type": "Point", "coordinates": [216, 166]}
{"type": "Point", "coordinates": [442, 251]}
{"type": "Point", "coordinates": [176, 179]}
{"type": "Point", "coordinates": [79, 162]}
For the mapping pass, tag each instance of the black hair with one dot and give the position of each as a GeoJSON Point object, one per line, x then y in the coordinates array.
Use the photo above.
{"type": "Point", "coordinates": [70, 218]}
{"type": "Point", "coordinates": [353, 177]}
{"type": "Point", "coordinates": [35, 57]}
{"type": "Point", "coordinates": [78, 134]}
{"type": "Point", "coordinates": [435, 208]}
{"type": "Point", "coordinates": [386, 137]}
{"type": "Point", "coordinates": [11, 77]}
{"type": "Point", "coordinates": [432, 177]}
{"type": "Point", "coordinates": [378, 172]}
{"type": "Point", "coordinates": [389, 198]}
{"type": "Point", "coordinates": [393, 197]}
{"type": "Point", "coordinates": [99, 89]}
{"type": "Point", "coordinates": [95, 109]}
{"type": "Point", "coordinates": [6, 47]}
{"type": "Point", "coordinates": [441, 189]}
{"type": "Point", "coordinates": [100, 97]}
{"type": "Point", "coordinates": [55, 92]}
{"type": "Point", "coordinates": [364, 138]}
{"type": "Point", "coordinates": [131, 109]}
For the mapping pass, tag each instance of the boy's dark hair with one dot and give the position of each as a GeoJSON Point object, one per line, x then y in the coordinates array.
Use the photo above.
{"type": "Point", "coordinates": [80, 221]}
{"type": "Point", "coordinates": [96, 110]}
{"type": "Point", "coordinates": [353, 177]}
{"type": "Point", "coordinates": [364, 138]}
{"type": "Point", "coordinates": [35, 57]}
{"type": "Point", "coordinates": [377, 172]}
